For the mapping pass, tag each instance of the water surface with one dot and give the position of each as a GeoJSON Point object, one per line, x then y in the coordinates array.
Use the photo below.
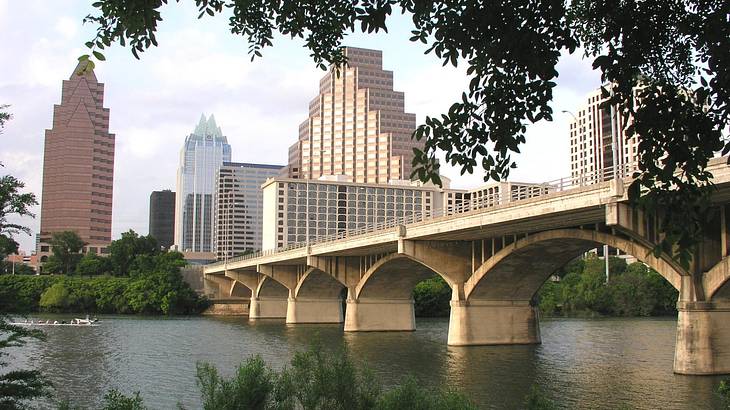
{"type": "Point", "coordinates": [581, 364]}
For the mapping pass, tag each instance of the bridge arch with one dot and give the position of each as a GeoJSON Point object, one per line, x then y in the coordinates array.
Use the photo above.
{"type": "Point", "coordinates": [394, 277]}
{"type": "Point", "coordinates": [518, 271]}
{"type": "Point", "coordinates": [239, 290]}
{"type": "Point", "coordinates": [315, 283]}
{"type": "Point", "coordinates": [716, 281]}
{"type": "Point", "coordinates": [268, 287]}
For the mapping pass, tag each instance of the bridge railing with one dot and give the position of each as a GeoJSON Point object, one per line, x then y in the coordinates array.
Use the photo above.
{"type": "Point", "coordinates": [517, 192]}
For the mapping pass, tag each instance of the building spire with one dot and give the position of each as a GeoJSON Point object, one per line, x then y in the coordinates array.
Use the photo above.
{"type": "Point", "coordinates": [80, 68]}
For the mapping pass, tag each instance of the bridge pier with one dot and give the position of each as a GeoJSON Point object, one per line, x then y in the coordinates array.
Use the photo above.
{"type": "Point", "coordinates": [377, 315]}
{"type": "Point", "coordinates": [703, 338]}
{"type": "Point", "coordinates": [314, 310]}
{"type": "Point", "coordinates": [488, 322]}
{"type": "Point", "coordinates": [267, 307]}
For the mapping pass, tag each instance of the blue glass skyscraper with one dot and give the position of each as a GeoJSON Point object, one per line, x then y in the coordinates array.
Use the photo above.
{"type": "Point", "coordinates": [204, 152]}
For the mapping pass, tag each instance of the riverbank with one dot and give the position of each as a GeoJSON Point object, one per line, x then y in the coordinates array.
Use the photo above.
{"type": "Point", "coordinates": [152, 293]}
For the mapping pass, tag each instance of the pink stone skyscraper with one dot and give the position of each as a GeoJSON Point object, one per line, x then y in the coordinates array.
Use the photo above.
{"type": "Point", "coordinates": [78, 166]}
{"type": "Point", "coordinates": [357, 125]}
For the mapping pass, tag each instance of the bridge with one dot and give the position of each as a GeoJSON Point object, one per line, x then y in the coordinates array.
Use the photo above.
{"type": "Point", "coordinates": [495, 256]}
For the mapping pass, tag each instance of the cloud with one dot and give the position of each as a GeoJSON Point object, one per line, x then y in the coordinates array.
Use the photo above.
{"type": "Point", "coordinates": [67, 27]}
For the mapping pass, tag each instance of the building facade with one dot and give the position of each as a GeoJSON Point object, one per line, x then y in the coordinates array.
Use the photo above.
{"type": "Point", "coordinates": [297, 211]}
{"type": "Point", "coordinates": [357, 125]}
{"type": "Point", "coordinates": [239, 208]}
{"type": "Point", "coordinates": [204, 152]}
{"type": "Point", "coordinates": [592, 134]}
{"type": "Point", "coordinates": [78, 166]}
{"type": "Point", "coordinates": [162, 217]}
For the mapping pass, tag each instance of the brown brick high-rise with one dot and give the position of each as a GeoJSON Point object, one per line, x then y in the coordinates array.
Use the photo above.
{"type": "Point", "coordinates": [78, 166]}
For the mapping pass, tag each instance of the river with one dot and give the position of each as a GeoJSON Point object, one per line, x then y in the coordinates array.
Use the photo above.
{"type": "Point", "coordinates": [581, 364]}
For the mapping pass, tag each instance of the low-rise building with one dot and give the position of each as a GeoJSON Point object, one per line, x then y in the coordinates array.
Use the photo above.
{"type": "Point", "coordinates": [298, 211]}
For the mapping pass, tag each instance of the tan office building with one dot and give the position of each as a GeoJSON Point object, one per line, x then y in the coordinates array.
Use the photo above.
{"type": "Point", "coordinates": [592, 134]}
{"type": "Point", "coordinates": [78, 166]}
{"type": "Point", "coordinates": [357, 125]}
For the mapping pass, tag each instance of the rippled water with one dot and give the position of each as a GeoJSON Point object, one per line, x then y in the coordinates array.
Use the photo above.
{"type": "Point", "coordinates": [581, 364]}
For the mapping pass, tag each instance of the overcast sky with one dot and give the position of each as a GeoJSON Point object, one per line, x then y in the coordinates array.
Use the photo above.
{"type": "Point", "coordinates": [200, 67]}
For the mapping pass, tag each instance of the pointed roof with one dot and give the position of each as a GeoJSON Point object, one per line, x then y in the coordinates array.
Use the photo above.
{"type": "Point", "coordinates": [209, 128]}
{"type": "Point", "coordinates": [80, 68]}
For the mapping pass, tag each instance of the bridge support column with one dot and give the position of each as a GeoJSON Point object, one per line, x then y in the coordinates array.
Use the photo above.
{"type": "Point", "coordinates": [374, 315]}
{"type": "Point", "coordinates": [487, 322]}
{"type": "Point", "coordinates": [703, 338]}
{"type": "Point", "coordinates": [267, 307]}
{"type": "Point", "coordinates": [309, 310]}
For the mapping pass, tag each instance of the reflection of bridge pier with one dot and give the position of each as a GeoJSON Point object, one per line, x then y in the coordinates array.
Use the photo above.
{"type": "Point", "coordinates": [496, 259]}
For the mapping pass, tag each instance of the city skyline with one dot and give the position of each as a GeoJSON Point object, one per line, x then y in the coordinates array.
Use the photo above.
{"type": "Point", "coordinates": [151, 109]}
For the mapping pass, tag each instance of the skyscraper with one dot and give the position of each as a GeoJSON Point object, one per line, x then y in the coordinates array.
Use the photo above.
{"type": "Point", "coordinates": [162, 217]}
{"type": "Point", "coordinates": [592, 134]}
{"type": "Point", "coordinates": [239, 207]}
{"type": "Point", "coordinates": [78, 166]}
{"type": "Point", "coordinates": [357, 125]}
{"type": "Point", "coordinates": [204, 152]}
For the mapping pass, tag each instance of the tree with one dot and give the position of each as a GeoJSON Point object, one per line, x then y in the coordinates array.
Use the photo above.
{"type": "Point", "coordinates": [93, 264]}
{"type": "Point", "coordinates": [4, 116]}
{"type": "Point", "coordinates": [66, 247]}
{"type": "Point", "coordinates": [674, 52]}
{"type": "Point", "coordinates": [123, 251]}
{"type": "Point", "coordinates": [12, 202]}
{"type": "Point", "coordinates": [18, 386]}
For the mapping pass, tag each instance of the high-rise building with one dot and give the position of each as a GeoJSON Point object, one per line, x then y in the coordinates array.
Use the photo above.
{"type": "Point", "coordinates": [204, 152]}
{"type": "Point", "coordinates": [78, 166]}
{"type": "Point", "coordinates": [239, 207]}
{"type": "Point", "coordinates": [162, 217]}
{"type": "Point", "coordinates": [357, 125]}
{"type": "Point", "coordinates": [592, 134]}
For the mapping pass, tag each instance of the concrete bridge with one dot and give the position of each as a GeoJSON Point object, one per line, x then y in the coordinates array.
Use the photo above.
{"type": "Point", "coordinates": [495, 258]}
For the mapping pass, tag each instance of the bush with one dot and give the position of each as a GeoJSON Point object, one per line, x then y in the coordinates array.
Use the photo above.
{"type": "Point", "coordinates": [250, 387]}
{"type": "Point", "coordinates": [410, 395]}
{"type": "Point", "coordinates": [724, 390]}
{"type": "Point", "coordinates": [114, 400]}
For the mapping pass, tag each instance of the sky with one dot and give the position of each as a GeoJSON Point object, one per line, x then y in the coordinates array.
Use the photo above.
{"type": "Point", "coordinates": [200, 67]}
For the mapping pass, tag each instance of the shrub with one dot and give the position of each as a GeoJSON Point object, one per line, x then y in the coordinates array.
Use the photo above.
{"type": "Point", "coordinates": [410, 395]}
{"type": "Point", "coordinates": [250, 387]}
{"type": "Point", "coordinates": [114, 400]}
